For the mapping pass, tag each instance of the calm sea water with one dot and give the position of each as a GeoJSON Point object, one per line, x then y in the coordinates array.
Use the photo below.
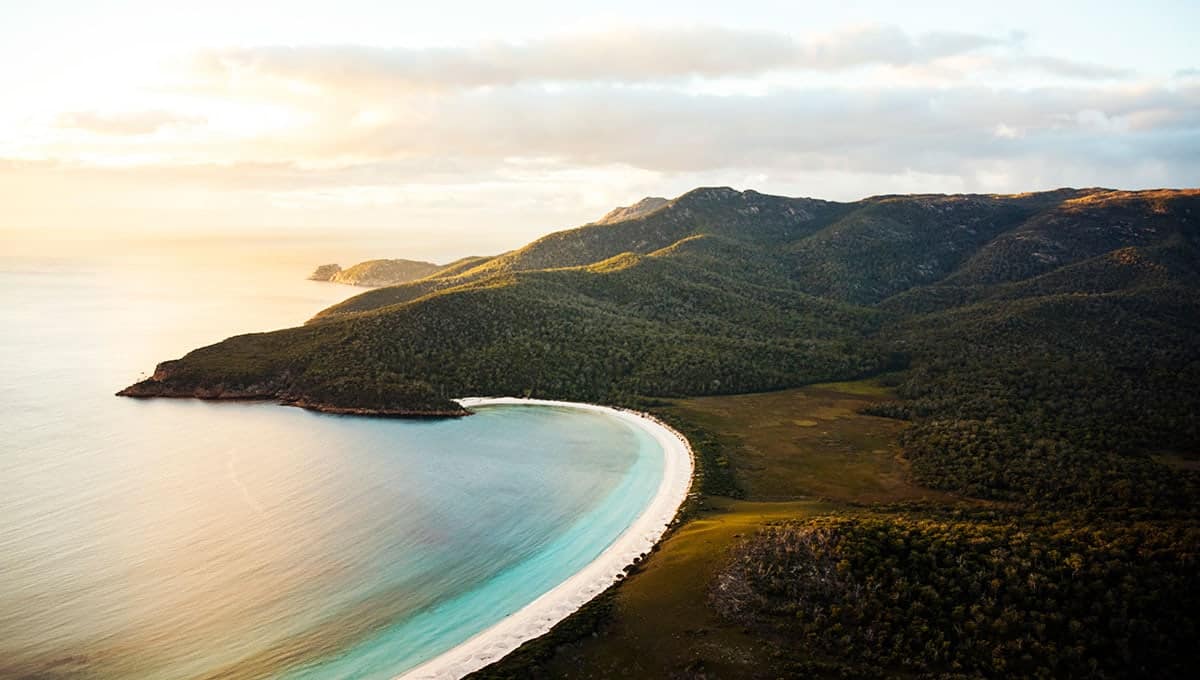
{"type": "Point", "coordinates": [183, 539]}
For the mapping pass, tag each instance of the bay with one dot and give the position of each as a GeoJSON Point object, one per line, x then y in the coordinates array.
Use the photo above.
{"type": "Point", "coordinates": [184, 539]}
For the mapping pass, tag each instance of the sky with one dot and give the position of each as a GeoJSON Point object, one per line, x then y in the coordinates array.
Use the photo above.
{"type": "Point", "coordinates": [472, 127]}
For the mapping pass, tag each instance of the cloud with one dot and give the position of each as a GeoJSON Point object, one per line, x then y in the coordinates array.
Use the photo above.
{"type": "Point", "coordinates": [124, 123]}
{"type": "Point", "coordinates": [488, 135]}
{"type": "Point", "coordinates": [934, 129]}
{"type": "Point", "coordinates": [531, 130]}
{"type": "Point", "coordinates": [1069, 68]}
{"type": "Point", "coordinates": [887, 45]}
{"type": "Point", "coordinates": [625, 56]}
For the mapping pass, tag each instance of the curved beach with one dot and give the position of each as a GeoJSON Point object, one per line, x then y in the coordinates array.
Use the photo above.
{"type": "Point", "coordinates": [539, 616]}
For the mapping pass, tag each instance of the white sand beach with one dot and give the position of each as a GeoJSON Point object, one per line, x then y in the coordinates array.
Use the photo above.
{"type": "Point", "coordinates": [542, 614]}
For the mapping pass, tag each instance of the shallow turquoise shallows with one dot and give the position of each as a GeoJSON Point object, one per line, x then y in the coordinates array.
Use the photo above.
{"type": "Point", "coordinates": [187, 539]}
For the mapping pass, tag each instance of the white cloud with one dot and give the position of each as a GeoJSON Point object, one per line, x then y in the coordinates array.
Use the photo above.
{"type": "Point", "coordinates": [624, 56]}
{"type": "Point", "coordinates": [508, 133]}
{"type": "Point", "coordinates": [556, 131]}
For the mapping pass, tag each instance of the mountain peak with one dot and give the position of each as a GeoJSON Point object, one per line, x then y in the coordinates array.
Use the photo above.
{"type": "Point", "coordinates": [708, 194]}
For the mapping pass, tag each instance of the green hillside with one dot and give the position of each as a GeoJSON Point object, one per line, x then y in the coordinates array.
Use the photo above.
{"type": "Point", "coordinates": [657, 324]}
{"type": "Point", "coordinates": [749, 218]}
{"type": "Point", "coordinates": [1031, 332]}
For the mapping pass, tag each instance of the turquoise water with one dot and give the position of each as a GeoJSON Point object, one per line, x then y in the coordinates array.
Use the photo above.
{"type": "Point", "coordinates": [185, 539]}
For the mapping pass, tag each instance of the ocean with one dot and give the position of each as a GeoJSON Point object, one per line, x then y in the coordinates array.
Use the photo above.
{"type": "Point", "coordinates": [187, 539]}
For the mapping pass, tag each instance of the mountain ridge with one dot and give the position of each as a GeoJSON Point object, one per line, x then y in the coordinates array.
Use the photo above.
{"type": "Point", "coordinates": [752, 224]}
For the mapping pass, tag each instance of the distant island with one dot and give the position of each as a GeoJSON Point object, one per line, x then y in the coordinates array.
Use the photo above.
{"type": "Point", "coordinates": [935, 435]}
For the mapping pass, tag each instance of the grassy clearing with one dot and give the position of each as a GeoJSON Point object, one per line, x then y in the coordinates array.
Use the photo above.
{"type": "Point", "coordinates": [810, 442]}
{"type": "Point", "coordinates": [880, 387]}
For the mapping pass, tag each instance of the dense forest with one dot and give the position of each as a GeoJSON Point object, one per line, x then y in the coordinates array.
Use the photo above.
{"type": "Point", "coordinates": [975, 595]}
{"type": "Point", "coordinates": [1045, 350]}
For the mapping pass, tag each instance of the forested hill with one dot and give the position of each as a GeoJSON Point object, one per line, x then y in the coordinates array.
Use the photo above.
{"type": "Point", "coordinates": [1066, 321]}
{"type": "Point", "coordinates": [751, 219]}
{"type": "Point", "coordinates": [382, 272]}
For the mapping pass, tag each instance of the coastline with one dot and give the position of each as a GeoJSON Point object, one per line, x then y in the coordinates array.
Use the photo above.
{"type": "Point", "coordinates": [538, 617]}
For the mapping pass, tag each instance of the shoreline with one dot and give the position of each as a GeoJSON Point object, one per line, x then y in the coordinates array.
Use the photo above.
{"type": "Point", "coordinates": [538, 617]}
{"type": "Point", "coordinates": [135, 392]}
